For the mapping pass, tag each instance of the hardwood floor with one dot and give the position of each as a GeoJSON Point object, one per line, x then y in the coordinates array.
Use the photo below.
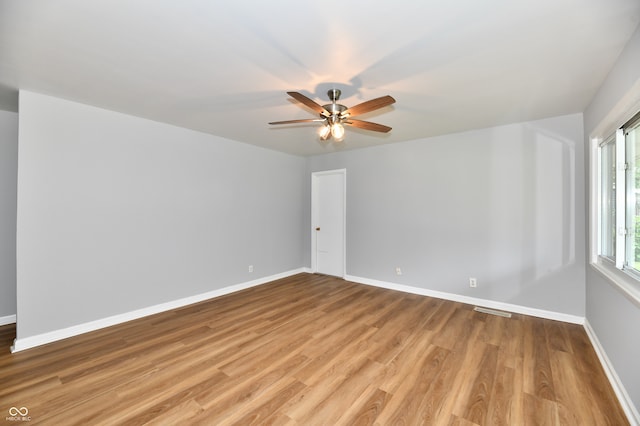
{"type": "Point", "coordinates": [314, 350]}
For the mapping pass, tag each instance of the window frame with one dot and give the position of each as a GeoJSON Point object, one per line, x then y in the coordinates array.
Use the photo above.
{"type": "Point", "coordinates": [606, 149]}
{"type": "Point", "coordinates": [627, 279]}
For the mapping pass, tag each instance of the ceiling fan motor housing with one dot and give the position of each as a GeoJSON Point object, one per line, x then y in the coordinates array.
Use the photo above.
{"type": "Point", "coordinates": [335, 110]}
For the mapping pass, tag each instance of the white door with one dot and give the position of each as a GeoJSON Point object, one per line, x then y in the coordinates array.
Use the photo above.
{"type": "Point", "coordinates": [328, 194]}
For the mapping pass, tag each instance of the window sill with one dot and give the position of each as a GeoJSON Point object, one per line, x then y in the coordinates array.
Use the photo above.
{"type": "Point", "coordinates": [627, 284]}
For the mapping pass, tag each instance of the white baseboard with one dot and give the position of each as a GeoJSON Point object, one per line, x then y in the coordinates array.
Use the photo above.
{"type": "Point", "coordinates": [52, 336]}
{"type": "Point", "coordinates": [540, 313]}
{"type": "Point", "coordinates": [9, 319]}
{"type": "Point", "coordinates": [625, 400]}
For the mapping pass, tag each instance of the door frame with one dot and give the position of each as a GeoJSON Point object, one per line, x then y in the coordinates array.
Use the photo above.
{"type": "Point", "coordinates": [314, 216]}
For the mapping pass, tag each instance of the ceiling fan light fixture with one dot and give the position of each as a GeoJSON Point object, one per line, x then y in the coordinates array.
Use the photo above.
{"type": "Point", "coordinates": [324, 132]}
{"type": "Point", "coordinates": [337, 131]}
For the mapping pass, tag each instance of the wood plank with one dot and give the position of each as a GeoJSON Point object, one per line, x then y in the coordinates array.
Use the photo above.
{"type": "Point", "coordinates": [366, 409]}
{"type": "Point", "coordinates": [406, 401]}
{"type": "Point", "coordinates": [482, 389]}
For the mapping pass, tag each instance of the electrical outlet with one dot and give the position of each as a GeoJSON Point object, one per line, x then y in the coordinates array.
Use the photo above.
{"type": "Point", "coordinates": [473, 282]}
{"type": "Point", "coordinates": [398, 271]}
{"type": "Point", "coordinates": [250, 268]}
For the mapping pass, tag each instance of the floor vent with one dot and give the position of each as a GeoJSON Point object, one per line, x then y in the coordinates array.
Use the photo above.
{"type": "Point", "coordinates": [492, 312]}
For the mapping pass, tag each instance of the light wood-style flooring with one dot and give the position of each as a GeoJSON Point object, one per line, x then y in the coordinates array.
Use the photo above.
{"type": "Point", "coordinates": [314, 350]}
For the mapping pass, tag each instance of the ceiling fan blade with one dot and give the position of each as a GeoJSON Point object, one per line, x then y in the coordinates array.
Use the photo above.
{"type": "Point", "coordinates": [305, 120]}
{"type": "Point", "coordinates": [367, 125]}
{"type": "Point", "coordinates": [309, 102]}
{"type": "Point", "coordinates": [367, 106]}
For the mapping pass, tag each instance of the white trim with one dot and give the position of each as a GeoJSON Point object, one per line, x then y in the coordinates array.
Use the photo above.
{"type": "Point", "coordinates": [625, 400]}
{"type": "Point", "coordinates": [621, 280]}
{"type": "Point", "coordinates": [9, 319]}
{"type": "Point", "coordinates": [621, 200]}
{"type": "Point", "coordinates": [525, 310]}
{"type": "Point", "coordinates": [52, 336]}
{"type": "Point", "coordinates": [595, 199]}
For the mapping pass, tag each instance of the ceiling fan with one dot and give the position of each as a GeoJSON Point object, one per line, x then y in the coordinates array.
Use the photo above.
{"type": "Point", "coordinates": [334, 116]}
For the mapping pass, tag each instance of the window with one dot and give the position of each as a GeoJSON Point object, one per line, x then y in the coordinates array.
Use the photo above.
{"type": "Point", "coordinates": [619, 195]}
{"type": "Point", "coordinates": [632, 143]}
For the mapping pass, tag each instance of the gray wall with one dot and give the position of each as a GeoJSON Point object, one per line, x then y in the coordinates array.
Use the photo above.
{"type": "Point", "coordinates": [504, 205]}
{"type": "Point", "coordinates": [8, 182]}
{"type": "Point", "coordinates": [118, 213]}
{"type": "Point", "coordinates": [614, 317]}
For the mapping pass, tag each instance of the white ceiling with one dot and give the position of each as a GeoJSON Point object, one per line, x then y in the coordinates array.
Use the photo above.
{"type": "Point", "coordinates": [224, 67]}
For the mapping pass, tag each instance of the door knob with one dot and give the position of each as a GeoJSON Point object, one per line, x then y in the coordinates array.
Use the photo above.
{"type": "Point", "coordinates": [318, 228]}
